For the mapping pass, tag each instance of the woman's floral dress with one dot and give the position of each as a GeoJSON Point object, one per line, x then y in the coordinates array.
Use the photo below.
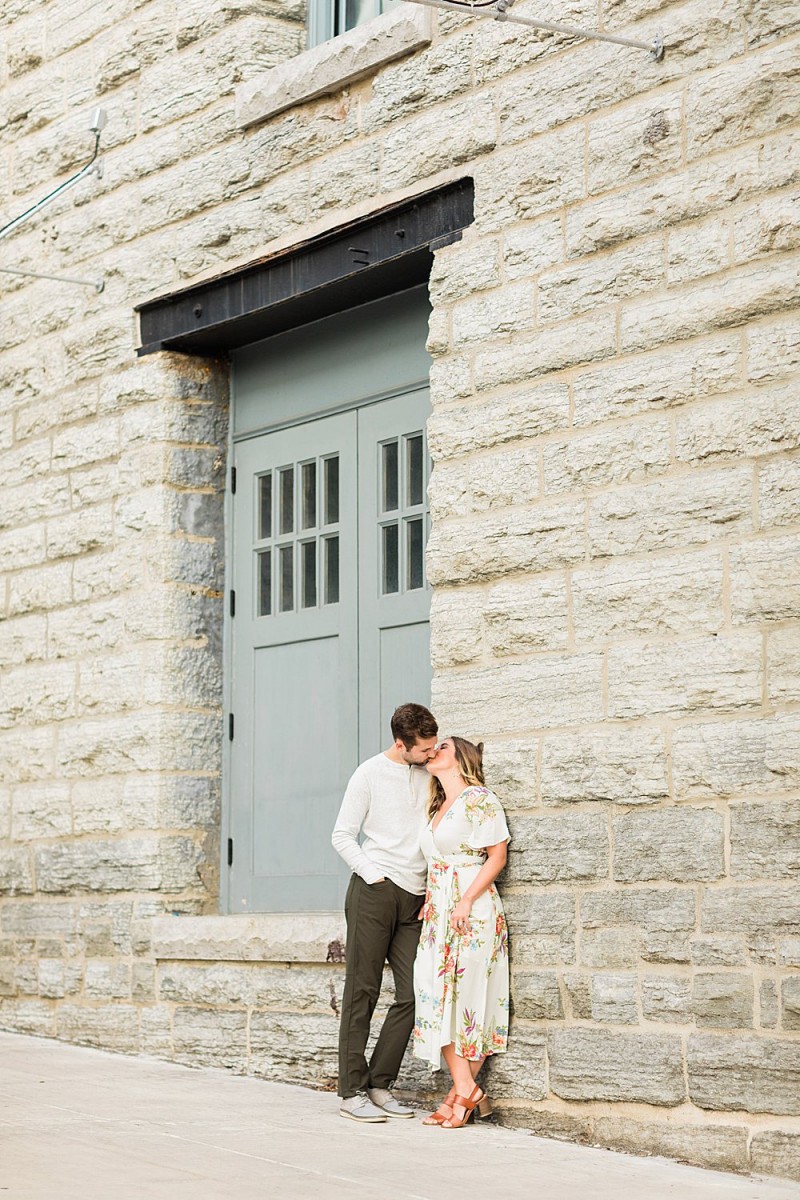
{"type": "Point", "coordinates": [461, 980]}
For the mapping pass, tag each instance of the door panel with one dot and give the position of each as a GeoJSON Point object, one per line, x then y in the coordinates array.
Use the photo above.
{"type": "Point", "coordinates": [294, 693]}
{"type": "Point", "coordinates": [394, 597]}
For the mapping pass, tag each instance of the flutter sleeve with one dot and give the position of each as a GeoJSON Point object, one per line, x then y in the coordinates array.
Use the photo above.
{"type": "Point", "coordinates": [488, 820]}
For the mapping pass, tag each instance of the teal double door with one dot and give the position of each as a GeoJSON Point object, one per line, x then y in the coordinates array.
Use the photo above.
{"type": "Point", "coordinates": [329, 633]}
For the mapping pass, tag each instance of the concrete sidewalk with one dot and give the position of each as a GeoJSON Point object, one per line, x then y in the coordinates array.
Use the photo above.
{"type": "Point", "coordinates": [78, 1124]}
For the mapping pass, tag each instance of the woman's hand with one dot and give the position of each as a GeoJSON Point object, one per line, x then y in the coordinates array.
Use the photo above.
{"type": "Point", "coordinates": [459, 917]}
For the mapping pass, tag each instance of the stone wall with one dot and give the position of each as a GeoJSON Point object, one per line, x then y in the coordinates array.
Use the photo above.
{"type": "Point", "coordinates": [615, 542]}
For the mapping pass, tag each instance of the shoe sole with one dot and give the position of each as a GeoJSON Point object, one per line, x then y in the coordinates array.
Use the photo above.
{"type": "Point", "coordinates": [362, 1120]}
{"type": "Point", "coordinates": [399, 1116]}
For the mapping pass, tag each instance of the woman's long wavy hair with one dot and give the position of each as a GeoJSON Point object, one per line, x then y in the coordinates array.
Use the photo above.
{"type": "Point", "coordinates": [469, 760]}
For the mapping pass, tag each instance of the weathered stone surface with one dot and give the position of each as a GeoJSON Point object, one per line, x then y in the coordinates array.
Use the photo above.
{"type": "Point", "coordinates": [112, 866]}
{"type": "Point", "coordinates": [292, 1048]}
{"type": "Point", "coordinates": [790, 1002]}
{"type": "Point", "coordinates": [659, 379]}
{"type": "Point", "coordinates": [688, 510]}
{"type": "Point", "coordinates": [684, 843]}
{"type": "Point", "coordinates": [16, 873]}
{"type": "Point", "coordinates": [257, 985]}
{"type": "Point", "coordinates": [40, 810]}
{"type": "Point", "coordinates": [610, 949]}
{"type": "Point", "coordinates": [722, 1000]}
{"type": "Point", "coordinates": [110, 1027]}
{"type": "Point", "coordinates": [537, 409]}
{"type": "Point", "coordinates": [596, 281]}
{"type": "Point", "coordinates": [626, 766]}
{"type": "Point", "coordinates": [107, 981]}
{"type": "Point", "coordinates": [765, 840]}
{"type": "Point", "coordinates": [654, 910]}
{"type": "Point", "coordinates": [779, 491]}
{"type": "Point", "coordinates": [615, 999]}
{"type": "Point", "coordinates": [762, 1076]}
{"type": "Point", "coordinates": [523, 615]}
{"type": "Point", "coordinates": [773, 348]}
{"type": "Point", "coordinates": [558, 846]}
{"type": "Point", "coordinates": [536, 996]}
{"type": "Point", "coordinates": [581, 340]}
{"type": "Point", "coordinates": [720, 1147]}
{"type": "Point", "coordinates": [765, 579]}
{"type": "Point", "coordinates": [725, 758]}
{"type": "Point", "coordinates": [265, 937]}
{"type": "Point", "coordinates": [486, 318]}
{"type": "Point", "coordinates": [665, 998]}
{"type": "Point", "coordinates": [717, 952]}
{"type": "Point", "coordinates": [595, 1064]}
{"type": "Point", "coordinates": [522, 1070]}
{"type": "Point", "coordinates": [510, 768]}
{"type": "Point", "coordinates": [776, 1152]}
{"type": "Point", "coordinates": [682, 678]}
{"type": "Point", "coordinates": [767, 1004]}
{"type": "Point", "coordinates": [210, 1037]}
{"type": "Point", "coordinates": [541, 927]}
{"type": "Point", "coordinates": [697, 250]}
{"type": "Point", "coordinates": [757, 909]}
{"type": "Point", "coordinates": [596, 459]}
{"type": "Point", "coordinates": [550, 534]}
{"type": "Point", "coordinates": [490, 483]}
{"type": "Point", "coordinates": [331, 66]}
{"type": "Point", "coordinates": [636, 140]}
{"type": "Point", "coordinates": [540, 693]}
{"type": "Point", "coordinates": [669, 594]}
{"type": "Point", "coordinates": [783, 665]}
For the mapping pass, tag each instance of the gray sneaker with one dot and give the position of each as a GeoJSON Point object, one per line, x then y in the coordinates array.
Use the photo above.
{"type": "Point", "coordinates": [386, 1102]}
{"type": "Point", "coordinates": [361, 1108]}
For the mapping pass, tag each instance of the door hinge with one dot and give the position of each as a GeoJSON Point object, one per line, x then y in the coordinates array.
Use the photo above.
{"type": "Point", "coordinates": [233, 480]}
{"type": "Point", "coordinates": [233, 603]}
{"type": "Point", "coordinates": [230, 852]}
{"type": "Point", "coordinates": [230, 726]}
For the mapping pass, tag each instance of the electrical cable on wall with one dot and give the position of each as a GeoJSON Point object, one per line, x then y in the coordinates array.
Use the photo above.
{"type": "Point", "coordinates": [94, 166]}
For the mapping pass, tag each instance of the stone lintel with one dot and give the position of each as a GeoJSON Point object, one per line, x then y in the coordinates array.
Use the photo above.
{"type": "Point", "coordinates": [265, 937]}
{"type": "Point", "coordinates": [333, 65]}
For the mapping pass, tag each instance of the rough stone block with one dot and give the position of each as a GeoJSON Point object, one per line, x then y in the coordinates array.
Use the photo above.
{"type": "Point", "coordinates": [765, 840]}
{"type": "Point", "coordinates": [717, 952]}
{"type": "Point", "coordinates": [576, 342]}
{"type": "Point", "coordinates": [541, 927]}
{"type": "Point", "coordinates": [762, 1076]}
{"type": "Point", "coordinates": [653, 910]}
{"type": "Point", "coordinates": [578, 989]}
{"type": "Point", "coordinates": [683, 678]}
{"type": "Point", "coordinates": [737, 102]}
{"type": "Point", "coordinates": [131, 864]}
{"type": "Point", "coordinates": [725, 758]}
{"type": "Point", "coordinates": [684, 511]}
{"type": "Point", "coordinates": [783, 665]}
{"type": "Point", "coordinates": [518, 616]}
{"type": "Point", "coordinates": [757, 909]}
{"type": "Point", "coordinates": [633, 141]}
{"type": "Point", "coordinates": [665, 998]}
{"type": "Point", "coordinates": [765, 579]}
{"type": "Point", "coordinates": [769, 227]}
{"type": "Point", "coordinates": [463, 268]}
{"type": "Point", "coordinates": [23, 640]}
{"type": "Point", "coordinates": [764, 421]}
{"type": "Point", "coordinates": [517, 186]}
{"type": "Point", "coordinates": [767, 1004]}
{"type": "Point", "coordinates": [210, 1037]}
{"type": "Point", "coordinates": [36, 1017]}
{"type": "Point", "coordinates": [557, 847]}
{"type": "Point", "coordinates": [597, 459]}
{"type": "Point", "coordinates": [773, 347]}
{"type": "Point", "coordinates": [779, 490]}
{"type": "Point", "coordinates": [40, 810]}
{"type": "Point", "coordinates": [596, 1064]}
{"type": "Point", "coordinates": [614, 999]}
{"type": "Point", "coordinates": [660, 379]}
{"type": "Point", "coordinates": [626, 766]}
{"type": "Point", "coordinates": [500, 481]}
{"type": "Point", "coordinates": [16, 874]}
{"type": "Point", "coordinates": [511, 772]}
{"type": "Point", "coordinates": [537, 409]}
{"type": "Point", "coordinates": [536, 996]}
{"type": "Point", "coordinates": [776, 1152]}
{"type": "Point", "coordinates": [697, 250]}
{"type": "Point", "coordinates": [530, 248]}
{"type": "Point", "coordinates": [522, 1070]}
{"type": "Point", "coordinates": [255, 985]}
{"type": "Point", "coordinates": [719, 1147]}
{"type": "Point", "coordinates": [722, 1000]}
{"type": "Point", "coordinates": [790, 1002]}
{"type": "Point", "coordinates": [675, 844]}
{"type": "Point", "coordinates": [514, 696]}
{"type": "Point", "coordinates": [107, 980]}
{"type": "Point", "coordinates": [110, 1027]}
{"type": "Point", "coordinates": [489, 317]}
{"type": "Point", "coordinates": [668, 594]}
{"type": "Point", "coordinates": [610, 949]}
{"type": "Point", "coordinates": [292, 1048]}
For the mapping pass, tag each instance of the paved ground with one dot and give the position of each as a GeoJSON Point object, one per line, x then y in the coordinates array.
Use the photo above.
{"type": "Point", "coordinates": [79, 1124]}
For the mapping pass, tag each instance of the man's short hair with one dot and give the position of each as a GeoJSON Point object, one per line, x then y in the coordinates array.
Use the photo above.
{"type": "Point", "coordinates": [412, 723]}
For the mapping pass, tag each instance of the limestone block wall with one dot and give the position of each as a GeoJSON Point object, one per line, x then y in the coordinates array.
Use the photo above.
{"type": "Point", "coordinates": [615, 548]}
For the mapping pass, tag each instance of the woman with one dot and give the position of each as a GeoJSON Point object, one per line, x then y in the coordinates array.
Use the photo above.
{"type": "Point", "coordinates": [461, 968]}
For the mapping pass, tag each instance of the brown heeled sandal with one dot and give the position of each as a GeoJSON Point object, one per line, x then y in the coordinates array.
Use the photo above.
{"type": "Point", "coordinates": [470, 1103]}
{"type": "Point", "coordinates": [439, 1117]}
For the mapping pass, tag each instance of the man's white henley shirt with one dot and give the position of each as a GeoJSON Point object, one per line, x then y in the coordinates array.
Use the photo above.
{"type": "Point", "coordinates": [386, 802]}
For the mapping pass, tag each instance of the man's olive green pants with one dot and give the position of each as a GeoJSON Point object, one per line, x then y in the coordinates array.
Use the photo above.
{"type": "Point", "coordinates": [382, 923]}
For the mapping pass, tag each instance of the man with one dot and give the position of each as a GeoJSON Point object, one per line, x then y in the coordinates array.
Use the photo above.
{"type": "Point", "coordinates": [386, 802]}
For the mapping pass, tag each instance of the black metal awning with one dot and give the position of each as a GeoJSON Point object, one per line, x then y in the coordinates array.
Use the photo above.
{"type": "Point", "coordinates": [388, 251]}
